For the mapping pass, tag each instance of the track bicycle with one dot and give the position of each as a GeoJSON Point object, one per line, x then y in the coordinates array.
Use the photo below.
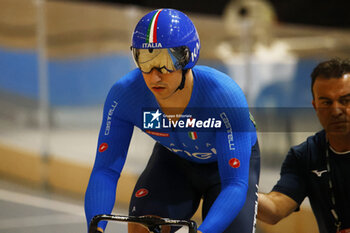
{"type": "Point", "coordinates": [153, 224]}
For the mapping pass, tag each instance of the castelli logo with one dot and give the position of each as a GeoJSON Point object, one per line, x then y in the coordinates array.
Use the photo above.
{"type": "Point", "coordinates": [234, 163]}
{"type": "Point", "coordinates": [141, 193]}
{"type": "Point", "coordinates": [103, 147]}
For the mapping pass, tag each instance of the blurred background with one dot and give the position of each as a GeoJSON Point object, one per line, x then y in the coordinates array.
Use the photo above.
{"type": "Point", "coordinates": [58, 60]}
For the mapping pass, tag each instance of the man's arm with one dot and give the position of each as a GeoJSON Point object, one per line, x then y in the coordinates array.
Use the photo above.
{"type": "Point", "coordinates": [274, 206]}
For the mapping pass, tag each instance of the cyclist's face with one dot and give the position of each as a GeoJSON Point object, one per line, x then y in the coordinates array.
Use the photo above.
{"type": "Point", "coordinates": [162, 85]}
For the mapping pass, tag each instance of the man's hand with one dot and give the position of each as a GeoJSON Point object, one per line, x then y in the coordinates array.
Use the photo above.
{"type": "Point", "coordinates": [99, 230]}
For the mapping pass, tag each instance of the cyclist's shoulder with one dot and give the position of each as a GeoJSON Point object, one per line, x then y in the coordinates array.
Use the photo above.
{"type": "Point", "coordinates": [218, 86]}
{"type": "Point", "coordinates": [213, 78]}
{"type": "Point", "coordinates": [210, 74]}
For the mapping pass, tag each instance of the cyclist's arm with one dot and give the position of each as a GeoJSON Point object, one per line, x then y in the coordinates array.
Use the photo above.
{"type": "Point", "coordinates": [113, 143]}
{"type": "Point", "coordinates": [233, 150]}
{"type": "Point", "coordinates": [100, 193]}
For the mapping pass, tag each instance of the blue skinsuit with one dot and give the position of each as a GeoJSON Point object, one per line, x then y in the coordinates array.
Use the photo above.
{"type": "Point", "coordinates": [215, 96]}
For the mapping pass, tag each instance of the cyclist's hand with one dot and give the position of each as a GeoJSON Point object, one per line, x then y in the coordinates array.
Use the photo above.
{"type": "Point", "coordinates": [99, 230]}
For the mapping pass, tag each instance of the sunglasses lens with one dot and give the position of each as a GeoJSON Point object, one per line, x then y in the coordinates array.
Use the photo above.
{"type": "Point", "coordinates": [164, 60]}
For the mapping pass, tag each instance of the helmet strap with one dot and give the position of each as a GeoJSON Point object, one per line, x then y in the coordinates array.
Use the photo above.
{"type": "Point", "coordinates": [183, 80]}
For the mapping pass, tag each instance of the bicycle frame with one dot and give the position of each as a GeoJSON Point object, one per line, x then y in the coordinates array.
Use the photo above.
{"type": "Point", "coordinates": [153, 224]}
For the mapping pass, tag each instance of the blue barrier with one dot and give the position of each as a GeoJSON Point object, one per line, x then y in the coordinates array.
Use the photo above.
{"type": "Point", "coordinates": [85, 81]}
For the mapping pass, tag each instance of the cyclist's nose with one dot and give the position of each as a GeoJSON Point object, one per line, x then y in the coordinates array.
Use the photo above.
{"type": "Point", "coordinates": [156, 75]}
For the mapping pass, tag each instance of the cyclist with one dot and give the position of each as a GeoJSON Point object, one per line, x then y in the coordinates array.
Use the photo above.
{"type": "Point", "coordinates": [206, 143]}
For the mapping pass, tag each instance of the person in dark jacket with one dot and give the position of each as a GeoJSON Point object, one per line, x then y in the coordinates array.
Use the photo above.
{"type": "Point", "coordinates": [318, 168]}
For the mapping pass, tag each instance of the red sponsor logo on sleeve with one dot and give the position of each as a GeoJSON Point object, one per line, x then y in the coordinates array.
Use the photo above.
{"type": "Point", "coordinates": [235, 163]}
{"type": "Point", "coordinates": [141, 193]}
{"type": "Point", "coordinates": [103, 147]}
